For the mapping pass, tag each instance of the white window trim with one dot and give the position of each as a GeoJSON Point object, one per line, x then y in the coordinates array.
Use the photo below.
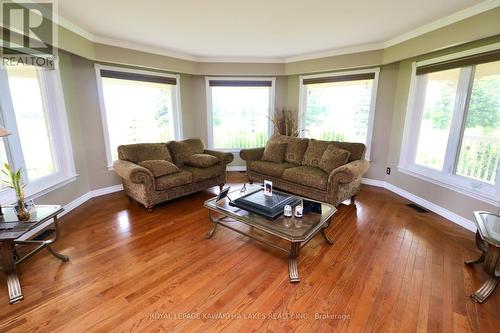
{"type": "Point", "coordinates": [176, 103]}
{"type": "Point", "coordinates": [470, 187]}
{"type": "Point", "coordinates": [208, 92]}
{"type": "Point", "coordinates": [373, 101]}
{"type": "Point", "coordinates": [59, 135]}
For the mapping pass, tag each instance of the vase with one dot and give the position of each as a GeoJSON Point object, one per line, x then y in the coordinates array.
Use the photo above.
{"type": "Point", "coordinates": [22, 212]}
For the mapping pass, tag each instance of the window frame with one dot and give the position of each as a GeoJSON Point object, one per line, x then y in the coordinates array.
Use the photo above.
{"type": "Point", "coordinates": [208, 92]}
{"type": "Point", "coordinates": [373, 101]}
{"type": "Point", "coordinates": [58, 130]}
{"type": "Point", "coordinates": [489, 193]}
{"type": "Point", "coordinates": [176, 103]}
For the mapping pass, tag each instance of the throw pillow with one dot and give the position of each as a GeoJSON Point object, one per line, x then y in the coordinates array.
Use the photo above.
{"type": "Point", "coordinates": [314, 152]}
{"type": "Point", "coordinates": [182, 150]}
{"type": "Point", "coordinates": [159, 167]}
{"type": "Point", "coordinates": [202, 160]}
{"type": "Point", "coordinates": [274, 152]}
{"type": "Point", "coordinates": [295, 150]}
{"type": "Point", "coordinates": [332, 158]}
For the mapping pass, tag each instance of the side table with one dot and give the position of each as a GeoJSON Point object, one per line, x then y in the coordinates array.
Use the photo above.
{"type": "Point", "coordinates": [488, 241]}
{"type": "Point", "coordinates": [14, 232]}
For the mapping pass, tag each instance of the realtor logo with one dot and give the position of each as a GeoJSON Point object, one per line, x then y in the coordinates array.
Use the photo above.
{"type": "Point", "coordinates": [28, 32]}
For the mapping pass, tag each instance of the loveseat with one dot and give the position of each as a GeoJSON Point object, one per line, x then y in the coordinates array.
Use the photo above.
{"type": "Point", "coordinates": [155, 172]}
{"type": "Point", "coordinates": [328, 171]}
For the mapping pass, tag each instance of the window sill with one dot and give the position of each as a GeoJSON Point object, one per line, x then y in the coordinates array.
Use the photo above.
{"type": "Point", "coordinates": [38, 188]}
{"type": "Point", "coordinates": [456, 184]}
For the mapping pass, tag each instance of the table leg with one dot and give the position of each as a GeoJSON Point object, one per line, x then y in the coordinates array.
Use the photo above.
{"type": "Point", "coordinates": [481, 246]}
{"type": "Point", "coordinates": [293, 270]}
{"type": "Point", "coordinates": [211, 232]}
{"type": "Point", "coordinates": [490, 263]}
{"type": "Point", "coordinates": [9, 267]}
{"type": "Point", "coordinates": [49, 242]}
{"type": "Point", "coordinates": [323, 232]}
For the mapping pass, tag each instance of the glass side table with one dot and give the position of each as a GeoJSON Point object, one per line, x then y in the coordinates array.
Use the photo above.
{"type": "Point", "coordinates": [488, 241]}
{"type": "Point", "coordinates": [14, 232]}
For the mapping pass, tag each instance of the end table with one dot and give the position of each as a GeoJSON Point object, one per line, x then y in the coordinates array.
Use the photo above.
{"type": "Point", "coordinates": [14, 232]}
{"type": "Point", "coordinates": [488, 241]}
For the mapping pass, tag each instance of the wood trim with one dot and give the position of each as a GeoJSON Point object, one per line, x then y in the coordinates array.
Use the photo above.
{"type": "Point", "coordinates": [137, 77]}
{"type": "Point", "coordinates": [471, 60]}
{"type": "Point", "coordinates": [339, 78]}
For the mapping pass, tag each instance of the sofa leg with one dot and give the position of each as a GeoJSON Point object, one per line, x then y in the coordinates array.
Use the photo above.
{"type": "Point", "coordinates": [221, 186]}
{"type": "Point", "coordinates": [353, 200]}
{"type": "Point", "coordinates": [149, 209]}
{"type": "Point", "coordinates": [250, 182]}
{"type": "Point", "coordinates": [129, 198]}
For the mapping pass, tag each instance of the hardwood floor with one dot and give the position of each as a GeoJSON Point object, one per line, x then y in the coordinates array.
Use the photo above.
{"type": "Point", "coordinates": [390, 269]}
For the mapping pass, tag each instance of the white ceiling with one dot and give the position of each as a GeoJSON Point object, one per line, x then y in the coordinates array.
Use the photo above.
{"type": "Point", "coordinates": [255, 29]}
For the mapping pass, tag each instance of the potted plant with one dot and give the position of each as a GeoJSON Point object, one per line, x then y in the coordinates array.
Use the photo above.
{"type": "Point", "coordinates": [15, 182]}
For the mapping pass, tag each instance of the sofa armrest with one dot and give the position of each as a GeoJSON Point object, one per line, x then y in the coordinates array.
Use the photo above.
{"type": "Point", "coordinates": [132, 172]}
{"type": "Point", "coordinates": [226, 158]}
{"type": "Point", "coordinates": [254, 154]}
{"type": "Point", "coordinates": [348, 172]}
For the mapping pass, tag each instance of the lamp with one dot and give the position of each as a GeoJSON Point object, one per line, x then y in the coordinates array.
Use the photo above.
{"type": "Point", "coordinates": [3, 132]}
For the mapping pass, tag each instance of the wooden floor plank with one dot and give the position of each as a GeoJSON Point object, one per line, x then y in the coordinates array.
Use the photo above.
{"type": "Point", "coordinates": [390, 269]}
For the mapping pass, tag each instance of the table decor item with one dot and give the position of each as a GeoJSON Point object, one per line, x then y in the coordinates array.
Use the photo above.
{"type": "Point", "coordinates": [15, 182]}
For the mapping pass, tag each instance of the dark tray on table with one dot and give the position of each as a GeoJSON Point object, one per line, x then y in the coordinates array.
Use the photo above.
{"type": "Point", "coordinates": [264, 205]}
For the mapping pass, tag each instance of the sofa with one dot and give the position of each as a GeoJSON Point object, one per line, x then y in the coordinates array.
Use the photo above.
{"type": "Point", "coordinates": [327, 171]}
{"type": "Point", "coordinates": [155, 172]}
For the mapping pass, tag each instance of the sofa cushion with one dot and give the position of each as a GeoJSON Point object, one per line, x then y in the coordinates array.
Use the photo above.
{"type": "Point", "coordinates": [176, 179]}
{"type": "Point", "coordinates": [295, 149]}
{"type": "Point", "coordinates": [182, 150]}
{"type": "Point", "coordinates": [274, 152]}
{"type": "Point", "coordinates": [201, 160]}
{"type": "Point", "coordinates": [356, 150]}
{"type": "Point", "coordinates": [159, 167]}
{"type": "Point", "coordinates": [200, 174]}
{"type": "Point", "coordinates": [314, 152]}
{"type": "Point", "coordinates": [308, 176]}
{"type": "Point", "coordinates": [270, 168]}
{"type": "Point", "coordinates": [332, 158]}
{"type": "Point", "coordinates": [139, 152]}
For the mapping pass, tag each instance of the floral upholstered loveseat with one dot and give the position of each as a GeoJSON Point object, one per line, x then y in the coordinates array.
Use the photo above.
{"type": "Point", "coordinates": [328, 171]}
{"type": "Point", "coordinates": [155, 172]}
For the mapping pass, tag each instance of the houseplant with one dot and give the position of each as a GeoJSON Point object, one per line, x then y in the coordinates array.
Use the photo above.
{"type": "Point", "coordinates": [15, 182]}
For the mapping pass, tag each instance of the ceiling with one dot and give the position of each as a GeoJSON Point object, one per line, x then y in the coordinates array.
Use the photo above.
{"type": "Point", "coordinates": [257, 29]}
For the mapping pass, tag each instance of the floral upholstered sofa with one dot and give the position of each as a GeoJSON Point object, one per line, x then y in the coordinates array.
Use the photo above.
{"type": "Point", "coordinates": [155, 172]}
{"type": "Point", "coordinates": [328, 171]}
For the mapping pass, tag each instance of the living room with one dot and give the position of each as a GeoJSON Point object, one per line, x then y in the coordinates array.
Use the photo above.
{"type": "Point", "coordinates": [154, 173]}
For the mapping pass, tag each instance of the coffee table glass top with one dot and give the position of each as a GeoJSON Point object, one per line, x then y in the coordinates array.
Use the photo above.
{"type": "Point", "coordinates": [289, 228]}
{"type": "Point", "coordinates": [488, 225]}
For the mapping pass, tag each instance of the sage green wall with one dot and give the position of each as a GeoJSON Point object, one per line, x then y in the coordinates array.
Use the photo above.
{"type": "Point", "coordinates": [87, 138]}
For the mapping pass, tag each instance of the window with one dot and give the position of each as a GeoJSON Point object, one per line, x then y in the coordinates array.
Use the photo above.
{"type": "Point", "coordinates": [339, 106]}
{"type": "Point", "coordinates": [137, 107]}
{"type": "Point", "coordinates": [453, 124]}
{"type": "Point", "coordinates": [238, 112]}
{"type": "Point", "coordinates": [32, 109]}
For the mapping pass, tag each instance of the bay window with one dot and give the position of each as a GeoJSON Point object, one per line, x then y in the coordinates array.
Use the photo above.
{"type": "Point", "coordinates": [239, 111]}
{"type": "Point", "coordinates": [452, 132]}
{"type": "Point", "coordinates": [339, 106]}
{"type": "Point", "coordinates": [137, 107]}
{"type": "Point", "coordinates": [32, 109]}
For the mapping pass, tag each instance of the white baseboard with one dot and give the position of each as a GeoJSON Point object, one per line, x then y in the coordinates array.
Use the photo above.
{"type": "Point", "coordinates": [236, 168]}
{"type": "Point", "coordinates": [447, 214]}
{"type": "Point", "coordinates": [89, 195]}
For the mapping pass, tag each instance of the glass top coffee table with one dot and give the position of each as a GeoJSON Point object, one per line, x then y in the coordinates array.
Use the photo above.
{"type": "Point", "coordinates": [297, 231]}
{"type": "Point", "coordinates": [488, 241]}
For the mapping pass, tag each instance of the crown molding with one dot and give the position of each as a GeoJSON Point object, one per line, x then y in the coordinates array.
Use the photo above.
{"type": "Point", "coordinates": [440, 23]}
{"type": "Point", "coordinates": [445, 21]}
